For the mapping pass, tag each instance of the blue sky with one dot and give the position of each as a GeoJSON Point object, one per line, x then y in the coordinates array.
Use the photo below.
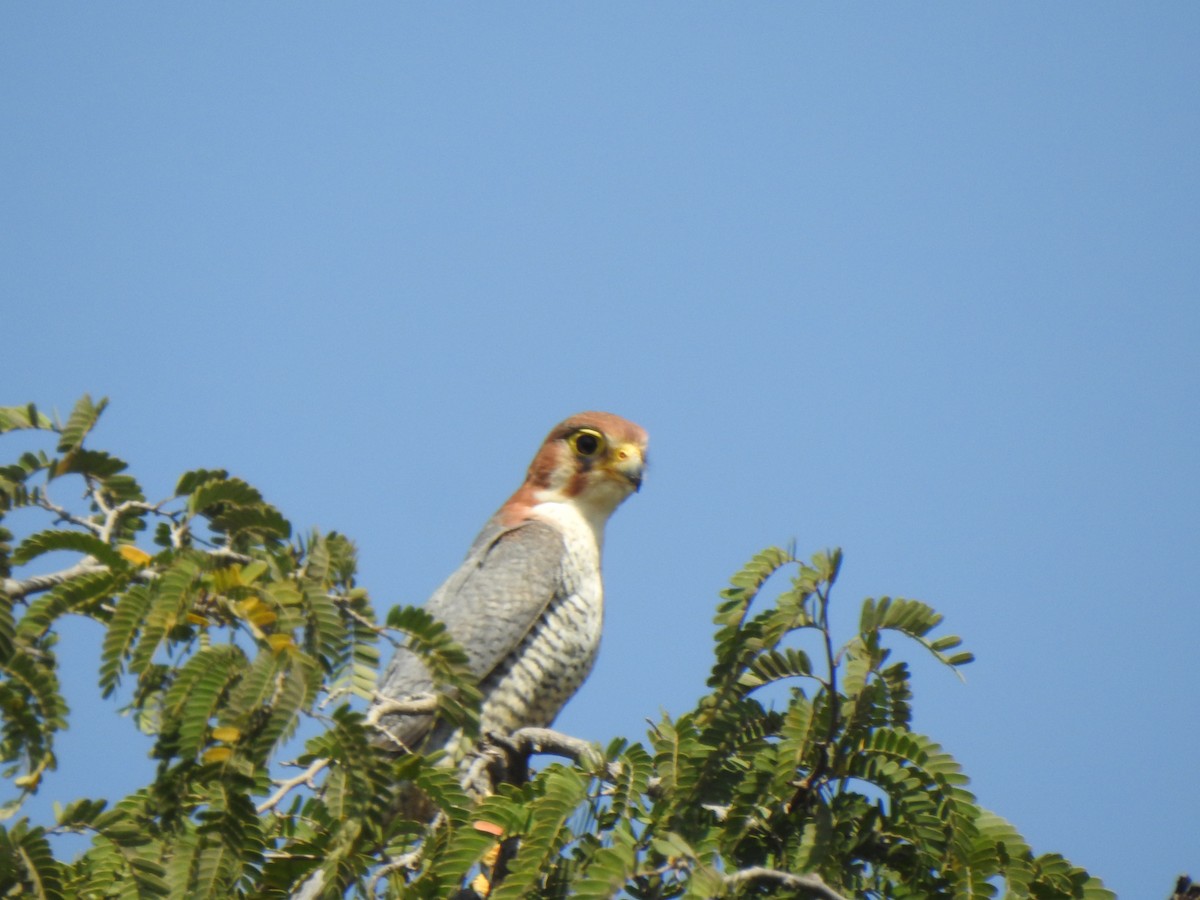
{"type": "Point", "coordinates": [916, 281]}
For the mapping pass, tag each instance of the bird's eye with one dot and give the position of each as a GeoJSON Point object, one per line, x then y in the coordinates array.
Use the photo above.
{"type": "Point", "coordinates": [587, 443]}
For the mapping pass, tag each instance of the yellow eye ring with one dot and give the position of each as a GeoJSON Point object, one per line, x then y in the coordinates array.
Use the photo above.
{"type": "Point", "coordinates": [587, 442]}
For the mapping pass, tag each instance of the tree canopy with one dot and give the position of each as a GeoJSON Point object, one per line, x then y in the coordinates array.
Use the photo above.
{"type": "Point", "coordinates": [225, 632]}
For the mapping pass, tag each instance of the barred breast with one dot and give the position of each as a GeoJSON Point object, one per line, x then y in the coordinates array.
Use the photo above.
{"type": "Point", "coordinates": [551, 663]}
{"type": "Point", "coordinates": [535, 682]}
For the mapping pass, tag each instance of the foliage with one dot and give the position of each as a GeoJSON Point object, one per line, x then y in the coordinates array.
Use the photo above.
{"type": "Point", "coordinates": [797, 774]}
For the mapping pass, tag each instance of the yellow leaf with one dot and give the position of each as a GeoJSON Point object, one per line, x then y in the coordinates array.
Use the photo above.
{"type": "Point", "coordinates": [134, 555]}
{"type": "Point", "coordinates": [262, 617]}
{"type": "Point", "coordinates": [216, 754]}
{"type": "Point", "coordinates": [196, 619]}
{"type": "Point", "coordinates": [227, 578]}
{"type": "Point", "coordinates": [247, 607]}
{"type": "Point", "coordinates": [226, 733]}
{"type": "Point", "coordinates": [280, 641]}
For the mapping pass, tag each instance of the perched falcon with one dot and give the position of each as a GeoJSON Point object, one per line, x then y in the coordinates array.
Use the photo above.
{"type": "Point", "coordinates": [527, 603]}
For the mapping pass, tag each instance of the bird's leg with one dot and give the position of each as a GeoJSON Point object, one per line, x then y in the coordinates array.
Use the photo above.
{"type": "Point", "coordinates": [512, 763]}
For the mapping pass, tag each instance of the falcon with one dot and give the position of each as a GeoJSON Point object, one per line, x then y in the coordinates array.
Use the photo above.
{"type": "Point", "coordinates": [527, 603]}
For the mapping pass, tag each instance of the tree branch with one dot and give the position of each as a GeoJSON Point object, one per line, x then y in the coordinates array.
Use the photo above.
{"type": "Point", "coordinates": [17, 589]}
{"type": "Point", "coordinates": [112, 515]}
{"type": "Point", "coordinates": [66, 516]}
{"type": "Point", "coordinates": [546, 740]}
{"type": "Point", "coordinates": [312, 887]}
{"type": "Point", "coordinates": [343, 603]}
{"type": "Point", "coordinates": [38, 583]}
{"type": "Point", "coordinates": [287, 785]}
{"type": "Point", "coordinates": [813, 885]}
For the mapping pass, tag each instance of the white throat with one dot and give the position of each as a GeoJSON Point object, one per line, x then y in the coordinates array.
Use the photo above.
{"type": "Point", "coordinates": [580, 522]}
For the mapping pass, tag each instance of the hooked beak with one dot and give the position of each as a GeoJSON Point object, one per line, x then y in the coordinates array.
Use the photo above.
{"type": "Point", "coordinates": [629, 463]}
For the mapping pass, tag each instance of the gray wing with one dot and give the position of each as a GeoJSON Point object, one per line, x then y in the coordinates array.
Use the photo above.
{"type": "Point", "coordinates": [489, 604]}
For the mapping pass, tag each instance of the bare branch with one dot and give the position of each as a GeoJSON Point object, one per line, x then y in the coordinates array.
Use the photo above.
{"type": "Point", "coordinates": [289, 784]}
{"type": "Point", "coordinates": [64, 515]}
{"type": "Point", "coordinates": [112, 516]}
{"type": "Point", "coordinates": [812, 885]}
{"type": "Point", "coordinates": [231, 555]}
{"type": "Point", "coordinates": [579, 751]}
{"type": "Point", "coordinates": [38, 583]}
{"type": "Point", "coordinates": [312, 887]}
{"type": "Point", "coordinates": [546, 740]}
{"type": "Point", "coordinates": [16, 589]}
{"type": "Point", "coordinates": [343, 603]}
{"type": "Point", "coordinates": [496, 755]}
{"type": "Point", "coordinates": [408, 861]}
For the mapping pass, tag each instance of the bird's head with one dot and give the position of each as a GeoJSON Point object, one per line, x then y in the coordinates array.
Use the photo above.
{"type": "Point", "coordinates": [593, 460]}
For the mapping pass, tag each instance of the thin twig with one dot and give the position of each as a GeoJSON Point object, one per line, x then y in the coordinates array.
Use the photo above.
{"type": "Point", "coordinates": [407, 861]}
{"type": "Point", "coordinates": [410, 860]}
{"type": "Point", "coordinates": [66, 516]}
{"type": "Point", "coordinates": [343, 603]}
{"type": "Point", "coordinates": [814, 885]}
{"type": "Point", "coordinates": [35, 584]}
{"type": "Point", "coordinates": [312, 887]}
{"type": "Point", "coordinates": [112, 516]}
{"type": "Point", "coordinates": [287, 785]}
{"type": "Point", "coordinates": [38, 583]}
{"type": "Point", "coordinates": [546, 740]}
{"type": "Point", "coordinates": [530, 741]}
{"type": "Point", "coordinates": [231, 555]}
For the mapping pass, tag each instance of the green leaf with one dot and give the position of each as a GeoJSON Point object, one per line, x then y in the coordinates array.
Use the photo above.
{"type": "Point", "coordinates": [454, 682]}
{"type": "Point", "coordinates": [30, 869]}
{"type": "Point", "coordinates": [170, 598]}
{"type": "Point", "coordinates": [254, 691]}
{"type": "Point", "coordinates": [914, 619]}
{"type": "Point", "coordinates": [33, 711]}
{"type": "Point", "coordinates": [610, 869]}
{"type": "Point", "coordinates": [13, 418]}
{"type": "Point", "coordinates": [776, 665]}
{"type": "Point", "coordinates": [634, 767]}
{"type": "Point", "coordinates": [80, 813]}
{"type": "Point", "coordinates": [193, 699]}
{"type": "Point", "coordinates": [94, 463]}
{"type": "Point", "coordinates": [827, 564]}
{"type": "Point", "coordinates": [189, 481]}
{"type": "Point", "coordinates": [547, 833]}
{"type": "Point", "coordinates": [278, 722]}
{"type": "Point", "coordinates": [82, 419]}
{"type": "Point", "coordinates": [858, 662]}
{"type": "Point", "coordinates": [122, 631]}
{"type": "Point", "coordinates": [795, 744]}
{"type": "Point", "coordinates": [816, 841]}
{"type": "Point", "coordinates": [746, 583]}
{"type": "Point", "coordinates": [217, 865]}
{"type": "Point", "coordinates": [74, 596]}
{"type": "Point", "coordinates": [326, 636]}
{"type": "Point", "coordinates": [76, 541]}
{"type": "Point", "coordinates": [261, 523]}
{"type": "Point", "coordinates": [221, 491]}
{"type": "Point", "coordinates": [8, 627]}
{"type": "Point", "coordinates": [180, 862]}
